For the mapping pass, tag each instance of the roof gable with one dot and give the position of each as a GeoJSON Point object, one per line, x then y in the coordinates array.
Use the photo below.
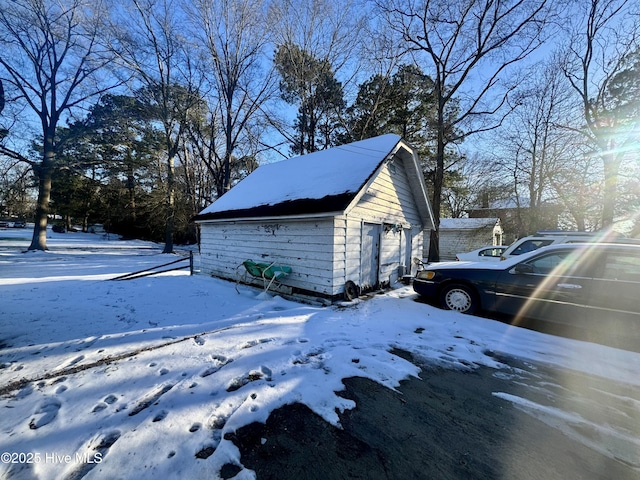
{"type": "Point", "coordinates": [324, 181]}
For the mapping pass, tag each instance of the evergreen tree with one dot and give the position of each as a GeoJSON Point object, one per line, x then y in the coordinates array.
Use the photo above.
{"type": "Point", "coordinates": [405, 104]}
{"type": "Point", "coordinates": [402, 104]}
{"type": "Point", "coordinates": [120, 127]}
{"type": "Point", "coordinates": [310, 83]}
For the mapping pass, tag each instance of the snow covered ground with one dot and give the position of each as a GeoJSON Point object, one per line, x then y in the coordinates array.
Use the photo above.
{"type": "Point", "coordinates": [143, 378]}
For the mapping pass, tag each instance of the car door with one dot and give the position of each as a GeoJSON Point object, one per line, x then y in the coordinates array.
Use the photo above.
{"type": "Point", "coordinates": [551, 286]}
{"type": "Point", "coordinates": [614, 300]}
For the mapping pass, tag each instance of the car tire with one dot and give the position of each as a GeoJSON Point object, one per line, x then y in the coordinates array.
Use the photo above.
{"type": "Point", "coordinates": [351, 291]}
{"type": "Point", "coordinates": [459, 298]}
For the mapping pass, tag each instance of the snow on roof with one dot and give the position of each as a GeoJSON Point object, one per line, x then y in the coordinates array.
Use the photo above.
{"type": "Point", "coordinates": [467, 223]}
{"type": "Point", "coordinates": [337, 173]}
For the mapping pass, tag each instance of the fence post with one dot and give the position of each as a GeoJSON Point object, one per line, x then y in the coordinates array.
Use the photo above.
{"type": "Point", "coordinates": [190, 262]}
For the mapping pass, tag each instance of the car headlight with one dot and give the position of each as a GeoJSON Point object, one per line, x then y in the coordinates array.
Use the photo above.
{"type": "Point", "coordinates": [425, 274]}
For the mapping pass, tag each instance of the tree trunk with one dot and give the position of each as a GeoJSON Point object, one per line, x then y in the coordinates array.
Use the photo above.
{"type": "Point", "coordinates": [438, 179]}
{"type": "Point", "coordinates": [611, 166]}
{"type": "Point", "coordinates": [229, 146]}
{"type": "Point", "coordinates": [226, 174]}
{"type": "Point", "coordinates": [39, 239]}
{"type": "Point", "coordinates": [228, 151]}
{"type": "Point", "coordinates": [131, 188]}
{"type": "Point", "coordinates": [44, 172]}
{"type": "Point", "coordinates": [1, 97]}
{"type": "Point", "coordinates": [171, 208]}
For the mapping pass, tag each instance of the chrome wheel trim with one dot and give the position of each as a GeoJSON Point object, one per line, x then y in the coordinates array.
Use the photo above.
{"type": "Point", "coordinates": [458, 299]}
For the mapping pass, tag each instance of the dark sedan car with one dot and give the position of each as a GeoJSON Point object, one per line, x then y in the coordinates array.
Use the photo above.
{"type": "Point", "coordinates": [582, 285]}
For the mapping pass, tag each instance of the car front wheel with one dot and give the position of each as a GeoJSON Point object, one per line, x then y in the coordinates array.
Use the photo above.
{"type": "Point", "coordinates": [459, 298]}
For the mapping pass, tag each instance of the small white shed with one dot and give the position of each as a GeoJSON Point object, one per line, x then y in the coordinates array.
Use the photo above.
{"type": "Point", "coordinates": [459, 235]}
{"type": "Point", "coordinates": [353, 213]}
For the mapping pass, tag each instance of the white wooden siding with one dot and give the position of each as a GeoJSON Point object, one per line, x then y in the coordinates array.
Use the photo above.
{"type": "Point", "coordinates": [453, 241]}
{"type": "Point", "coordinates": [388, 200]}
{"type": "Point", "coordinates": [305, 246]}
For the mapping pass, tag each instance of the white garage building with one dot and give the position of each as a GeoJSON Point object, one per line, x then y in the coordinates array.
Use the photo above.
{"type": "Point", "coordinates": [351, 215]}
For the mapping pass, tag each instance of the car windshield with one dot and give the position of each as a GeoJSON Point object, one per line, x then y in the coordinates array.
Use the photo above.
{"type": "Point", "coordinates": [530, 246]}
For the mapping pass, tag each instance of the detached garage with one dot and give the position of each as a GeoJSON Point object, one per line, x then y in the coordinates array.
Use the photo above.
{"type": "Point", "coordinates": [459, 235]}
{"type": "Point", "coordinates": [352, 216]}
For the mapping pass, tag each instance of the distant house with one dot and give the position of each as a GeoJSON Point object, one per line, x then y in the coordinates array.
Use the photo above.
{"type": "Point", "coordinates": [517, 218]}
{"type": "Point", "coordinates": [459, 235]}
{"type": "Point", "coordinates": [350, 215]}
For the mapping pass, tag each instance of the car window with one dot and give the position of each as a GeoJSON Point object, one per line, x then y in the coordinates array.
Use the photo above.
{"type": "Point", "coordinates": [491, 252]}
{"type": "Point", "coordinates": [574, 263]}
{"type": "Point", "coordinates": [530, 246]}
{"type": "Point", "coordinates": [617, 266]}
{"type": "Point", "coordinates": [545, 264]}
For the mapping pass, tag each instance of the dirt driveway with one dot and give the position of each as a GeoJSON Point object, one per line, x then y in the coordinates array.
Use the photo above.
{"type": "Point", "coordinates": [452, 424]}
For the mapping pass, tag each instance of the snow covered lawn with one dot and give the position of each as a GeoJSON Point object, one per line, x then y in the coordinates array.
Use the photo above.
{"type": "Point", "coordinates": [143, 378]}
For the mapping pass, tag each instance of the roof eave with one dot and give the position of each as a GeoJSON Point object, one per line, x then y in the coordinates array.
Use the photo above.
{"type": "Point", "coordinates": [269, 219]}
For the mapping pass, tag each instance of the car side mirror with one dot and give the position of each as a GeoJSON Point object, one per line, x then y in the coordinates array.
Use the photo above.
{"type": "Point", "coordinates": [523, 268]}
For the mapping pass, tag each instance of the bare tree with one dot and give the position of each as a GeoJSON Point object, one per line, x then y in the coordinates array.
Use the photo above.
{"type": "Point", "coordinates": [235, 36]}
{"type": "Point", "coordinates": [48, 54]}
{"type": "Point", "coordinates": [148, 41]}
{"type": "Point", "coordinates": [603, 40]}
{"type": "Point", "coordinates": [15, 183]}
{"type": "Point", "coordinates": [576, 186]}
{"type": "Point", "coordinates": [534, 146]}
{"type": "Point", "coordinates": [476, 181]}
{"type": "Point", "coordinates": [330, 31]}
{"type": "Point", "coordinates": [471, 46]}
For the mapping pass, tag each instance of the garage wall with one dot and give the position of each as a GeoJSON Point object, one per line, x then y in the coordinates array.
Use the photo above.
{"type": "Point", "coordinates": [305, 246]}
